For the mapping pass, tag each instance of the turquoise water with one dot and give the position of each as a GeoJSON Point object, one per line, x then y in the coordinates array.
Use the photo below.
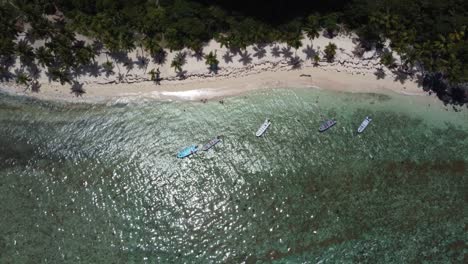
{"type": "Point", "coordinates": [101, 183]}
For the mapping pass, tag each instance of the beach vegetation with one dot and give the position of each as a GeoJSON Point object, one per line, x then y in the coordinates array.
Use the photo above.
{"type": "Point", "coordinates": [212, 61]}
{"type": "Point", "coordinates": [44, 56]}
{"type": "Point", "coordinates": [429, 36]}
{"type": "Point", "coordinates": [330, 23]}
{"type": "Point", "coordinates": [388, 60]}
{"type": "Point", "coordinates": [316, 59]}
{"type": "Point", "coordinates": [330, 52]}
{"type": "Point", "coordinates": [22, 78]}
{"type": "Point", "coordinates": [25, 52]}
{"type": "Point", "coordinates": [178, 61]}
{"type": "Point", "coordinates": [152, 75]}
{"type": "Point", "coordinates": [312, 26]}
{"type": "Point", "coordinates": [59, 74]}
{"type": "Point", "coordinates": [108, 67]}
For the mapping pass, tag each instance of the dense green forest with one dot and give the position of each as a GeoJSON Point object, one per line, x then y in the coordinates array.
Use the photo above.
{"type": "Point", "coordinates": [429, 34]}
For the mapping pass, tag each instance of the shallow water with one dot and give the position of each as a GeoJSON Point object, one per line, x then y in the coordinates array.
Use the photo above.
{"type": "Point", "coordinates": [101, 184]}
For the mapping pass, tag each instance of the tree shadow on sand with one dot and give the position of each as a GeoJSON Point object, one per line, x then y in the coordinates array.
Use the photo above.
{"type": "Point", "coordinates": [309, 52]}
{"type": "Point", "coordinates": [400, 76]}
{"type": "Point", "coordinates": [182, 74]}
{"type": "Point", "coordinates": [235, 51]}
{"type": "Point", "coordinates": [405, 72]}
{"type": "Point", "coordinates": [93, 69]}
{"type": "Point", "coordinates": [108, 72]}
{"type": "Point", "coordinates": [276, 52]}
{"type": "Point", "coordinates": [122, 57]}
{"type": "Point", "coordinates": [58, 75]}
{"type": "Point", "coordinates": [295, 62]}
{"type": "Point", "coordinates": [380, 73]}
{"type": "Point", "coordinates": [142, 62]}
{"type": "Point", "coordinates": [77, 89]}
{"type": "Point", "coordinates": [359, 50]}
{"type": "Point", "coordinates": [287, 53]}
{"type": "Point", "coordinates": [33, 71]}
{"type": "Point", "coordinates": [227, 57]}
{"type": "Point", "coordinates": [259, 51]}
{"type": "Point", "coordinates": [245, 58]}
{"type": "Point", "coordinates": [198, 54]}
{"type": "Point", "coordinates": [160, 58]}
{"type": "Point", "coordinates": [97, 46]}
{"type": "Point", "coordinates": [5, 74]}
{"type": "Point", "coordinates": [121, 77]}
{"type": "Point", "coordinates": [6, 63]}
{"type": "Point", "coordinates": [128, 65]}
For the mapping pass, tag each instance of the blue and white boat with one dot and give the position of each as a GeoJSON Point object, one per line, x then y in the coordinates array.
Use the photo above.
{"type": "Point", "coordinates": [187, 151]}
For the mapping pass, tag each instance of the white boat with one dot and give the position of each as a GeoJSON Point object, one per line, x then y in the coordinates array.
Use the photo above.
{"type": "Point", "coordinates": [364, 124]}
{"type": "Point", "coordinates": [263, 128]}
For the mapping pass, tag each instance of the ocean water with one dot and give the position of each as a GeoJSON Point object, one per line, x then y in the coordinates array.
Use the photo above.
{"type": "Point", "coordinates": [86, 183]}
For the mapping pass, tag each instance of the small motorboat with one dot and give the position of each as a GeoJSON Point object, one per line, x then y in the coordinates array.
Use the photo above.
{"type": "Point", "coordinates": [211, 143]}
{"type": "Point", "coordinates": [263, 128]}
{"type": "Point", "coordinates": [364, 124]}
{"type": "Point", "coordinates": [326, 125]}
{"type": "Point", "coordinates": [187, 151]}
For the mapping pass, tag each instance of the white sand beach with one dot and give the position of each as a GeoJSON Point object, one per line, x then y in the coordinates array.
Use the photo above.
{"type": "Point", "coordinates": [272, 66]}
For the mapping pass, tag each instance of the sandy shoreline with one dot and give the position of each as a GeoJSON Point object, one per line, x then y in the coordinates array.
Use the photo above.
{"type": "Point", "coordinates": [256, 68]}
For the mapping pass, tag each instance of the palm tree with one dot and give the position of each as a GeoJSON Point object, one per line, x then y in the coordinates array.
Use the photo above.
{"type": "Point", "coordinates": [316, 59]}
{"type": "Point", "coordinates": [178, 62]}
{"type": "Point", "coordinates": [152, 75]}
{"type": "Point", "coordinates": [222, 40]}
{"type": "Point", "coordinates": [84, 54]}
{"type": "Point", "coordinates": [330, 52]}
{"type": "Point", "coordinates": [177, 65]}
{"type": "Point", "coordinates": [59, 74]}
{"type": "Point", "coordinates": [25, 51]}
{"type": "Point", "coordinates": [7, 47]}
{"type": "Point", "coordinates": [41, 29]}
{"type": "Point", "coordinates": [44, 56]}
{"type": "Point", "coordinates": [155, 50]}
{"type": "Point", "coordinates": [108, 67]}
{"type": "Point", "coordinates": [409, 58]}
{"type": "Point", "coordinates": [212, 61]}
{"type": "Point", "coordinates": [312, 27]}
{"type": "Point", "coordinates": [295, 42]}
{"type": "Point", "coordinates": [197, 48]}
{"type": "Point", "coordinates": [22, 78]}
{"type": "Point", "coordinates": [388, 60]}
{"type": "Point", "coordinates": [330, 23]}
